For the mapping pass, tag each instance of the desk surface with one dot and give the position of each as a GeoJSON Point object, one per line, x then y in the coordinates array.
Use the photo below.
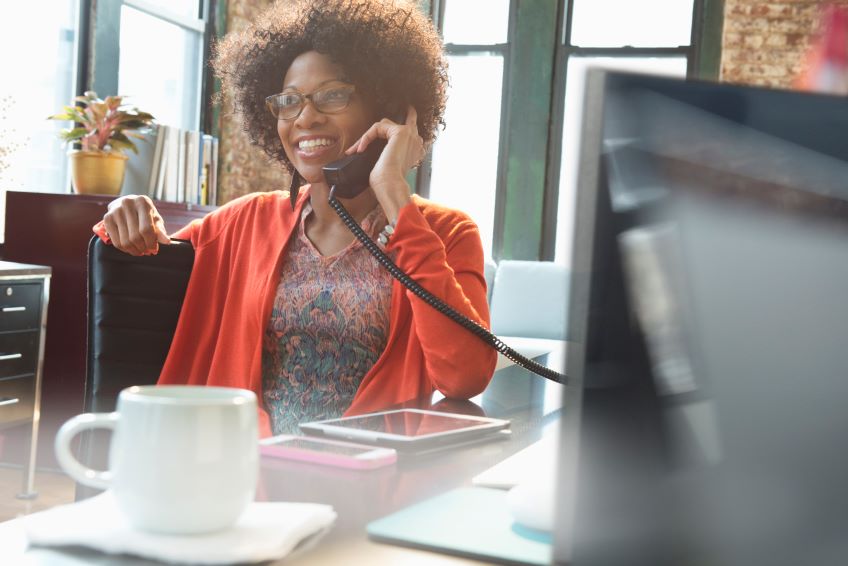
{"type": "Point", "coordinates": [531, 403]}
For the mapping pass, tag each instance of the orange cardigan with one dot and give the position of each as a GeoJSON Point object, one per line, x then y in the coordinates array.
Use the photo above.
{"type": "Point", "coordinates": [238, 249]}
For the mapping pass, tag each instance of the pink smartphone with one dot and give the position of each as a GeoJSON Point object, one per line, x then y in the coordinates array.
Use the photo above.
{"type": "Point", "coordinates": [327, 452]}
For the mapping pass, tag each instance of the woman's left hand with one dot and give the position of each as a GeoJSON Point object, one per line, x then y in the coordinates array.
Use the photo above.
{"type": "Point", "coordinates": [404, 149]}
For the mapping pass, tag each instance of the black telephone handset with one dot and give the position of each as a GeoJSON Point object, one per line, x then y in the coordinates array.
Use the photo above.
{"type": "Point", "coordinates": [347, 177]}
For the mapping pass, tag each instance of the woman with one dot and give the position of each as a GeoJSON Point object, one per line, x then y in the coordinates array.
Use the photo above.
{"type": "Point", "coordinates": [283, 300]}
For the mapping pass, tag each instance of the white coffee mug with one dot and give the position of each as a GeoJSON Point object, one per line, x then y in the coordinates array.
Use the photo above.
{"type": "Point", "coordinates": [182, 459]}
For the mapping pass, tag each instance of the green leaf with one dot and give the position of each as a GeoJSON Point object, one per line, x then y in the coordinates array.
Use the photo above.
{"type": "Point", "coordinates": [70, 113]}
{"type": "Point", "coordinates": [121, 144]}
{"type": "Point", "coordinates": [121, 141]}
{"type": "Point", "coordinates": [78, 115]}
{"type": "Point", "coordinates": [145, 116]}
{"type": "Point", "coordinates": [137, 116]}
{"type": "Point", "coordinates": [131, 125]}
{"type": "Point", "coordinates": [71, 135]}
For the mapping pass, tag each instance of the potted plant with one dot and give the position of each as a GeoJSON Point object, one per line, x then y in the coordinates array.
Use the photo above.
{"type": "Point", "coordinates": [103, 128]}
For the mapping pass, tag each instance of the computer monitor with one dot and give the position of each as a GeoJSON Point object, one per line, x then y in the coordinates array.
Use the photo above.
{"type": "Point", "coordinates": [709, 321]}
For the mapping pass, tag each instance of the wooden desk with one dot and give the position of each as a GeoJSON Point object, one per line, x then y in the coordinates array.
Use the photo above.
{"type": "Point", "coordinates": [532, 403]}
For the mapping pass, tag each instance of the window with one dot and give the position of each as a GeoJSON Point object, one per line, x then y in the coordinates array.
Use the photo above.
{"type": "Point", "coordinates": [651, 36]}
{"type": "Point", "coordinates": [172, 93]}
{"type": "Point", "coordinates": [577, 67]}
{"type": "Point", "coordinates": [37, 81]}
{"type": "Point", "coordinates": [155, 57]}
{"type": "Point", "coordinates": [507, 156]}
{"type": "Point", "coordinates": [647, 23]}
{"type": "Point", "coordinates": [465, 169]}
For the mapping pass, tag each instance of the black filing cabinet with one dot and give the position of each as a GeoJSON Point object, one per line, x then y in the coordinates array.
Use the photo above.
{"type": "Point", "coordinates": [24, 290]}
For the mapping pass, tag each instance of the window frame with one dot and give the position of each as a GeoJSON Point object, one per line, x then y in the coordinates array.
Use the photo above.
{"type": "Point", "coordinates": [423, 177]}
{"type": "Point", "coordinates": [702, 54]}
{"type": "Point", "coordinates": [99, 47]}
{"type": "Point", "coordinates": [437, 14]}
{"type": "Point", "coordinates": [525, 221]}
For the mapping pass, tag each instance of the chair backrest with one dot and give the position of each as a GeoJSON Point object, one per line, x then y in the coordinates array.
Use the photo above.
{"type": "Point", "coordinates": [133, 307]}
{"type": "Point", "coordinates": [529, 299]}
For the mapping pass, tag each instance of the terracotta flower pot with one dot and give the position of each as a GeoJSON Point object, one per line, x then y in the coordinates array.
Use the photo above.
{"type": "Point", "coordinates": [98, 172]}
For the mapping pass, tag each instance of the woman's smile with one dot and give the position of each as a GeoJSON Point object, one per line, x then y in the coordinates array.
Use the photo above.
{"type": "Point", "coordinates": [315, 147]}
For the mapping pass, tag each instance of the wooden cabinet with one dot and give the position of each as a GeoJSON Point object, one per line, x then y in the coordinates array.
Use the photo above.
{"type": "Point", "coordinates": [24, 290]}
{"type": "Point", "coordinates": [54, 229]}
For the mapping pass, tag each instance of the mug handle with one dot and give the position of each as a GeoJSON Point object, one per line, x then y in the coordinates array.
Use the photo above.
{"type": "Point", "coordinates": [72, 466]}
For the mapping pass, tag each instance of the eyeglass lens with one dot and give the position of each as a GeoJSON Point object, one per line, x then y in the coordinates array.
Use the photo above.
{"type": "Point", "coordinates": [287, 106]}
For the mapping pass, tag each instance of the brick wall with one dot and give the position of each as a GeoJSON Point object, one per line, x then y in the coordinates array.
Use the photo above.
{"type": "Point", "coordinates": [765, 41]}
{"type": "Point", "coordinates": [244, 168]}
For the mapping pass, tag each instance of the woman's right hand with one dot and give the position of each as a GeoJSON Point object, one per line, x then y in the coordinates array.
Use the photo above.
{"type": "Point", "coordinates": [135, 226]}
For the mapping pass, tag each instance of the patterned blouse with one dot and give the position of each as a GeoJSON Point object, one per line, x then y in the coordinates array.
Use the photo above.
{"type": "Point", "coordinates": [328, 326]}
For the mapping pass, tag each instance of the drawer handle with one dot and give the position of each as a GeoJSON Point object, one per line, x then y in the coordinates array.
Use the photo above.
{"type": "Point", "coordinates": [9, 401]}
{"type": "Point", "coordinates": [5, 357]}
{"type": "Point", "coordinates": [14, 309]}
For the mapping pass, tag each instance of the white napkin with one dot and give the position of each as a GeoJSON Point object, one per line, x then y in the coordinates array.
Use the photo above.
{"type": "Point", "coordinates": [266, 531]}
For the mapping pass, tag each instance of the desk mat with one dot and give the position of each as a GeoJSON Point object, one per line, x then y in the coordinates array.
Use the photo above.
{"type": "Point", "coordinates": [470, 522]}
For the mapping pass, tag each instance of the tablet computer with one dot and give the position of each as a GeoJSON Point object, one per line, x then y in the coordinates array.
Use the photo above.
{"type": "Point", "coordinates": [408, 429]}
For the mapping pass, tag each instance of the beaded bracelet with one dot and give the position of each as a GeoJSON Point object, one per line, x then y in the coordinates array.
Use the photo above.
{"type": "Point", "coordinates": [387, 232]}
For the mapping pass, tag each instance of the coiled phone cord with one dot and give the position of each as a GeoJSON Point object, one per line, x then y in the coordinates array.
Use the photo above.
{"type": "Point", "coordinates": [434, 301]}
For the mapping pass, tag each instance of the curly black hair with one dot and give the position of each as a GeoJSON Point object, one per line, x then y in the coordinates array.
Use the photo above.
{"type": "Point", "coordinates": [387, 48]}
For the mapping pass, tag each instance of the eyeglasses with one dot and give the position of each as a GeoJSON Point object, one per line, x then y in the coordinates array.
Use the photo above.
{"type": "Point", "coordinates": [330, 100]}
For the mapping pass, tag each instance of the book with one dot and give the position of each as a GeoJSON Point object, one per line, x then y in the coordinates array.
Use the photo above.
{"type": "Point", "coordinates": [205, 167]}
{"type": "Point", "coordinates": [189, 171]}
{"type": "Point", "coordinates": [162, 165]}
{"type": "Point", "coordinates": [193, 166]}
{"type": "Point", "coordinates": [213, 174]}
{"type": "Point", "coordinates": [139, 169]}
{"type": "Point", "coordinates": [156, 165]}
{"type": "Point", "coordinates": [172, 165]}
{"type": "Point", "coordinates": [181, 167]}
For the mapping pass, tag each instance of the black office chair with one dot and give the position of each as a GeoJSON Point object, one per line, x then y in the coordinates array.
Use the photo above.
{"type": "Point", "coordinates": [133, 307]}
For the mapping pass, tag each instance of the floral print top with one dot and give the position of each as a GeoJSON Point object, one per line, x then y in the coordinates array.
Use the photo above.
{"type": "Point", "coordinates": [328, 326]}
